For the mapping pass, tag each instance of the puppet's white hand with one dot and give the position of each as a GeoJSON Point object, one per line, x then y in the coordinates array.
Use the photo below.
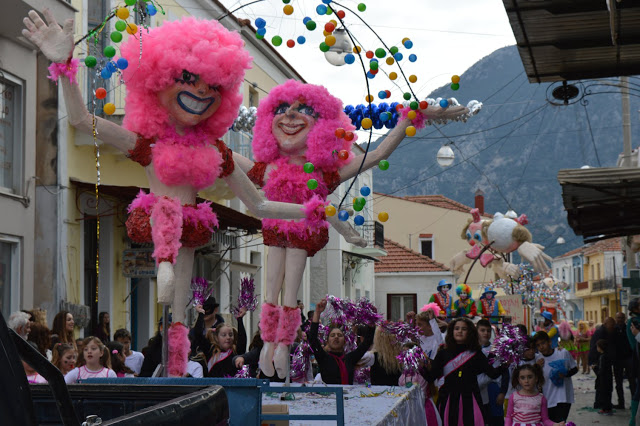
{"type": "Point", "coordinates": [56, 43]}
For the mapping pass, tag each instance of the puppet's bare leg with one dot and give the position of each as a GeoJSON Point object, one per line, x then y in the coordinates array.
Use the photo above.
{"type": "Point", "coordinates": [270, 313]}
{"type": "Point", "coordinates": [290, 318]}
{"type": "Point", "coordinates": [183, 270]}
{"type": "Point", "coordinates": [166, 230]}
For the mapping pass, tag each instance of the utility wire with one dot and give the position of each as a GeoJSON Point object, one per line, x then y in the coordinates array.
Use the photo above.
{"type": "Point", "coordinates": [593, 141]}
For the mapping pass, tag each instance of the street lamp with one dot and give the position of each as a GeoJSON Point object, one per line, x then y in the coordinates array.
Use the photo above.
{"type": "Point", "coordinates": [336, 53]}
{"type": "Point", "coordinates": [445, 156]}
{"type": "Point", "coordinates": [560, 240]}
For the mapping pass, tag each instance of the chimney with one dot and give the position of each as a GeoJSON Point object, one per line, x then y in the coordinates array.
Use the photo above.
{"type": "Point", "coordinates": [479, 204]}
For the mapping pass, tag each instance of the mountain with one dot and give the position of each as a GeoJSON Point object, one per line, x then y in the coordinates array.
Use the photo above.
{"type": "Point", "coordinates": [514, 146]}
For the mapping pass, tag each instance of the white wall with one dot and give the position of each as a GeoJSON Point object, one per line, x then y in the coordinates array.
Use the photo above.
{"type": "Point", "coordinates": [423, 284]}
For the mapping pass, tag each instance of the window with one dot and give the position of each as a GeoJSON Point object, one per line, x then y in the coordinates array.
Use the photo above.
{"type": "Point", "coordinates": [398, 305]}
{"type": "Point", "coordinates": [592, 277]}
{"type": "Point", "coordinates": [426, 245]}
{"type": "Point", "coordinates": [9, 274]}
{"type": "Point", "coordinates": [598, 268]}
{"type": "Point", "coordinates": [253, 97]}
{"type": "Point", "coordinates": [11, 124]}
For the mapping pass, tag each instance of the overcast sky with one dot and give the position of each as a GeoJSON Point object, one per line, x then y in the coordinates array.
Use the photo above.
{"type": "Point", "coordinates": [448, 37]}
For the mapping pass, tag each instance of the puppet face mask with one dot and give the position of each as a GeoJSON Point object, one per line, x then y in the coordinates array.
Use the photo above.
{"type": "Point", "coordinates": [190, 100]}
{"type": "Point", "coordinates": [291, 126]}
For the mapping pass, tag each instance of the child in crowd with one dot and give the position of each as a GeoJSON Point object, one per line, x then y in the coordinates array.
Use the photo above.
{"type": "Point", "coordinates": [93, 362]}
{"type": "Point", "coordinates": [491, 389]}
{"type": "Point", "coordinates": [32, 375]}
{"type": "Point", "coordinates": [133, 359]}
{"type": "Point", "coordinates": [225, 343]}
{"type": "Point", "coordinates": [430, 336]}
{"type": "Point", "coordinates": [583, 337]}
{"type": "Point", "coordinates": [567, 340]}
{"type": "Point", "coordinates": [527, 405]}
{"type": "Point", "coordinates": [64, 357]}
{"type": "Point", "coordinates": [604, 380]}
{"type": "Point", "coordinates": [558, 366]}
{"type": "Point", "coordinates": [385, 370]}
{"type": "Point", "coordinates": [460, 361]}
{"type": "Point", "coordinates": [116, 349]}
{"type": "Point", "coordinates": [431, 411]}
{"type": "Point", "coordinates": [528, 358]}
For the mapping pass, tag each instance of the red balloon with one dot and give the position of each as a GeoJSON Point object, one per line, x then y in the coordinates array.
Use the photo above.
{"type": "Point", "coordinates": [343, 154]}
{"type": "Point", "coordinates": [291, 43]}
{"type": "Point", "coordinates": [340, 133]}
{"type": "Point", "coordinates": [374, 72]}
{"type": "Point", "coordinates": [349, 136]}
{"type": "Point", "coordinates": [369, 54]}
{"type": "Point", "coordinates": [388, 92]}
{"type": "Point", "coordinates": [329, 27]}
{"type": "Point", "coordinates": [423, 104]}
{"type": "Point", "coordinates": [101, 93]}
{"type": "Point", "coordinates": [340, 14]}
{"type": "Point", "coordinates": [399, 107]}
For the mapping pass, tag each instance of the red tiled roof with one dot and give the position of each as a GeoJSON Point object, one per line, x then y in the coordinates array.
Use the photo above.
{"type": "Point", "coordinates": [611, 244]}
{"type": "Point", "coordinates": [402, 259]}
{"type": "Point", "coordinates": [436, 201]}
{"type": "Point", "coordinates": [571, 253]}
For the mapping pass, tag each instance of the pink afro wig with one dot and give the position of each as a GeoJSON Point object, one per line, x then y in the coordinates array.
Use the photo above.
{"type": "Point", "coordinates": [565, 330]}
{"type": "Point", "coordinates": [322, 144]}
{"type": "Point", "coordinates": [201, 47]}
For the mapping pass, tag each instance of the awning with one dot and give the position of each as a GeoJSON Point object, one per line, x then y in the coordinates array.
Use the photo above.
{"type": "Point", "coordinates": [573, 40]}
{"type": "Point", "coordinates": [602, 202]}
{"type": "Point", "coordinates": [227, 217]}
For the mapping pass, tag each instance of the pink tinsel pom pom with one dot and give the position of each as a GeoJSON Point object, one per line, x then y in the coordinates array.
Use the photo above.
{"type": "Point", "coordinates": [433, 306]}
{"type": "Point", "coordinates": [417, 122]}
{"type": "Point", "coordinates": [69, 68]}
{"type": "Point", "coordinates": [243, 373]}
{"type": "Point", "coordinates": [179, 346]}
{"type": "Point", "coordinates": [570, 424]}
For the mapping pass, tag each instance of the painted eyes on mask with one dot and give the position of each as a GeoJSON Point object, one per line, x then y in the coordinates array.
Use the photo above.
{"type": "Point", "coordinates": [302, 108]}
{"type": "Point", "coordinates": [477, 236]}
{"type": "Point", "coordinates": [189, 78]}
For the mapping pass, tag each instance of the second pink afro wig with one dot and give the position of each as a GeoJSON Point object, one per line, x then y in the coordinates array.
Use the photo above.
{"type": "Point", "coordinates": [202, 47]}
{"type": "Point", "coordinates": [322, 144]}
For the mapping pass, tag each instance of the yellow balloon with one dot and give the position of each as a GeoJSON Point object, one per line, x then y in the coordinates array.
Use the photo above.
{"type": "Point", "coordinates": [393, 76]}
{"type": "Point", "coordinates": [334, 22]}
{"type": "Point", "coordinates": [132, 28]}
{"type": "Point", "coordinates": [383, 216]}
{"type": "Point", "coordinates": [357, 49]}
{"type": "Point", "coordinates": [411, 115]}
{"type": "Point", "coordinates": [122, 13]}
{"type": "Point", "coordinates": [410, 131]}
{"type": "Point", "coordinates": [330, 40]}
{"type": "Point", "coordinates": [326, 33]}
{"type": "Point", "coordinates": [369, 98]}
{"type": "Point", "coordinates": [413, 78]}
{"type": "Point", "coordinates": [455, 79]}
{"type": "Point", "coordinates": [109, 108]}
{"type": "Point", "coordinates": [288, 9]}
{"type": "Point", "coordinates": [366, 123]}
{"type": "Point", "coordinates": [330, 210]}
{"type": "Point", "coordinates": [405, 39]}
{"type": "Point", "coordinates": [390, 60]}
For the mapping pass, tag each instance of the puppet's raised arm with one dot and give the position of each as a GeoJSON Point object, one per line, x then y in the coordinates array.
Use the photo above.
{"type": "Point", "coordinates": [56, 44]}
{"type": "Point", "coordinates": [346, 230]}
{"type": "Point", "coordinates": [393, 139]}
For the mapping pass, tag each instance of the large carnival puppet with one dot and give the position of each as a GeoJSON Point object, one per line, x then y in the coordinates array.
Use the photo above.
{"type": "Point", "coordinates": [296, 124]}
{"type": "Point", "coordinates": [183, 94]}
{"type": "Point", "coordinates": [443, 298]}
{"type": "Point", "coordinates": [491, 240]}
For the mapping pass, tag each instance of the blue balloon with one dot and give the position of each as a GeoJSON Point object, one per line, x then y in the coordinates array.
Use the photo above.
{"type": "Point", "coordinates": [111, 67]}
{"type": "Point", "coordinates": [321, 9]}
{"type": "Point", "coordinates": [122, 63]}
{"type": "Point", "coordinates": [398, 56]}
{"type": "Point", "coordinates": [382, 94]}
{"type": "Point", "coordinates": [408, 44]}
{"type": "Point", "coordinates": [326, 1]}
{"type": "Point", "coordinates": [349, 58]}
{"type": "Point", "coordinates": [343, 215]}
{"type": "Point", "coordinates": [261, 31]}
{"type": "Point", "coordinates": [305, 20]}
{"type": "Point", "coordinates": [444, 103]}
{"type": "Point", "coordinates": [371, 76]}
{"type": "Point", "coordinates": [105, 73]}
{"type": "Point", "coordinates": [373, 60]}
{"type": "Point", "coordinates": [151, 9]}
{"type": "Point", "coordinates": [358, 220]}
{"type": "Point", "coordinates": [301, 40]}
{"type": "Point", "coordinates": [365, 190]}
{"type": "Point", "coordinates": [413, 58]}
{"type": "Point", "coordinates": [260, 23]}
{"type": "Point", "coordinates": [385, 116]}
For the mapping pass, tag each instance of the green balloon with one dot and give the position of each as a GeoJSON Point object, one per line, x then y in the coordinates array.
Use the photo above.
{"type": "Point", "coordinates": [361, 200]}
{"type": "Point", "coordinates": [362, 7]}
{"type": "Point", "coordinates": [116, 37]}
{"type": "Point", "coordinates": [373, 65]}
{"type": "Point", "coordinates": [286, 1]}
{"type": "Point", "coordinates": [393, 50]}
{"type": "Point", "coordinates": [358, 207]}
{"type": "Point", "coordinates": [311, 25]}
{"type": "Point", "coordinates": [414, 105]}
{"type": "Point", "coordinates": [455, 86]}
{"type": "Point", "coordinates": [109, 51]}
{"type": "Point", "coordinates": [308, 167]}
{"type": "Point", "coordinates": [90, 61]}
{"type": "Point", "coordinates": [129, 2]}
{"type": "Point", "coordinates": [121, 25]}
{"type": "Point", "coordinates": [312, 184]}
{"type": "Point", "coordinates": [259, 37]}
{"type": "Point", "coordinates": [407, 96]}
{"type": "Point", "coordinates": [329, 11]}
{"type": "Point", "coordinates": [383, 164]}
{"type": "Point", "coordinates": [380, 52]}
{"type": "Point", "coordinates": [276, 40]}
{"type": "Point", "coordinates": [324, 47]}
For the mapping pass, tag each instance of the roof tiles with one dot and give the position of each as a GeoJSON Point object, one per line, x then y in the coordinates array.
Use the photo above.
{"type": "Point", "coordinates": [402, 259]}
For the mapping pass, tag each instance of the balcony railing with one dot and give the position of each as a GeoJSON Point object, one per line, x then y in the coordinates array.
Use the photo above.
{"type": "Point", "coordinates": [373, 232]}
{"type": "Point", "coordinates": [584, 285]}
{"type": "Point", "coordinates": [605, 284]}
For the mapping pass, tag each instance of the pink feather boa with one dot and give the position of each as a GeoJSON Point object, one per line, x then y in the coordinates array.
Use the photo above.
{"type": "Point", "coordinates": [322, 143]}
{"type": "Point", "coordinates": [143, 201]}
{"type": "Point", "coordinates": [201, 214]}
{"type": "Point", "coordinates": [418, 122]}
{"type": "Point", "coordinates": [69, 68]}
{"type": "Point", "coordinates": [433, 306]}
{"type": "Point", "coordinates": [179, 346]}
{"type": "Point", "coordinates": [166, 230]}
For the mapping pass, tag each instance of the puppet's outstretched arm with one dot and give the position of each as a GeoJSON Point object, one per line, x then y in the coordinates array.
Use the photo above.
{"type": "Point", "coordinates": [56, 44]}
{"type": "Point", "coordinates": [346, 230]}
